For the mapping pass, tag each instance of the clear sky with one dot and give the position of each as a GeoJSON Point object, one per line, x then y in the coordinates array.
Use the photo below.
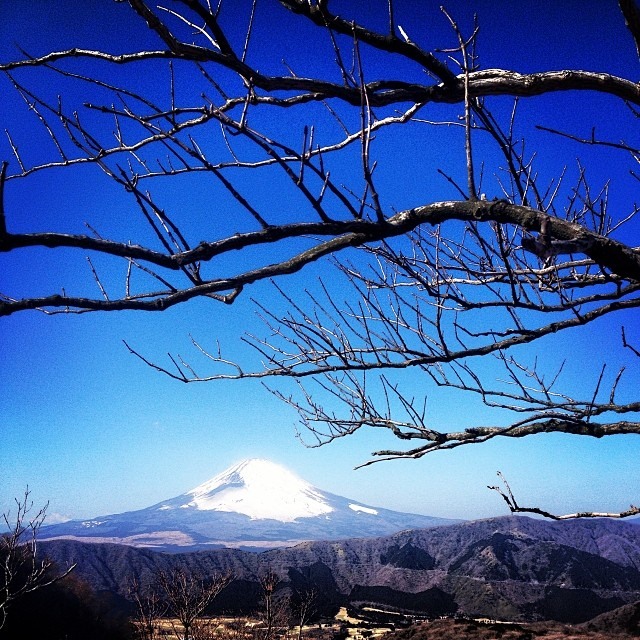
{"type": "Point", "coordinates": [92, 430]}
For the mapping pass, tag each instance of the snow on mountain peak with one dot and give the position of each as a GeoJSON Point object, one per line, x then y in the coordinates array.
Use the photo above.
{"type": "Point", "coordinates": [260, 489]}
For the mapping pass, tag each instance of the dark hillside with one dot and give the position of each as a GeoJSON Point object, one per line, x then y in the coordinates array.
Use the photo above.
{"type": "Point", "coordinates": [511, 568]}
{"type": "Point", "coordinates": [626, 619]}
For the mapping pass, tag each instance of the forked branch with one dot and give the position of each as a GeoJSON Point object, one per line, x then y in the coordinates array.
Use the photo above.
{"type": "Point", "coordinates": [507, 495]}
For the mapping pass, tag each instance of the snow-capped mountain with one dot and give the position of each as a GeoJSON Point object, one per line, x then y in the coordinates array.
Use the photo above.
{"type": "Point", "coordinates": [259, 489]}
{"type": "Point", "coordinates": [255, 504]}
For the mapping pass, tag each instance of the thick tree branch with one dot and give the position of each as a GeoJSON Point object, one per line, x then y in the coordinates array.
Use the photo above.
{"type": "Point", "coordinates": [319, 14]}
{"type": "Point", "coordinates": [615, 256]}
{"type": "Point", "coordinates": [451, 440]}
{"type": "Point", "coordinates": [481, 84]}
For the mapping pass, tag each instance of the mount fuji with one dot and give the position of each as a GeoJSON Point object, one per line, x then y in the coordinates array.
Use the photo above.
{"type": "Point", "coordinates": [253, 505]}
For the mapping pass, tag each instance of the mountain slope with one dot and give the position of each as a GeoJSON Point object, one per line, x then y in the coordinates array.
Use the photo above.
{"type": "Point", "coordinates": [253, 505]}
{"type": "Point", "coordinates": [512, 568]}
{"type": "Point", "coordinates": [626, 619]}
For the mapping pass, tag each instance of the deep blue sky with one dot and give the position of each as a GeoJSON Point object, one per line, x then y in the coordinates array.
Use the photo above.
{"type": "Point", "coordinates": [91, 429]}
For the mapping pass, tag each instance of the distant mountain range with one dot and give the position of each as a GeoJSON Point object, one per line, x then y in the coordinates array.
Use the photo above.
{"type": "Point", "coordinates": [511, 568]}
{"type": "Point", "coordinates": [254, 505]}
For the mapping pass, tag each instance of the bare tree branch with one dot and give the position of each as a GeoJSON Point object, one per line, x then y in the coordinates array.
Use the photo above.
{"type": "Point", "coordinates": [621, 260]}
{"type": "Point", "coordinates": [465, 293]}
{"type": "Point", "coordinates": [514, 507]}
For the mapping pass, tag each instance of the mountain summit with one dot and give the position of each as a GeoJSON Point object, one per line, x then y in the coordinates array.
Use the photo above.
{"type": "Point", "coordinates": [259, 489]}
{"type": "Point", "coordinates": [255, 505]}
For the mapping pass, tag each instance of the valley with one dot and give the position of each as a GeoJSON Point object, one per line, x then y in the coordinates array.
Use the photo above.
{"type": "Point", "coordinates": [347, 627]}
